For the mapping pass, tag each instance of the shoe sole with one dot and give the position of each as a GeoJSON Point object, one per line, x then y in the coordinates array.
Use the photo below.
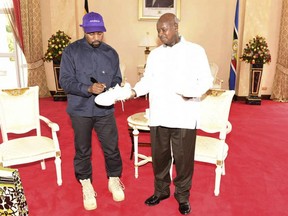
{"type": "Point", "coordinates": [117, 200]}
{"type": "Point", "coordinates": [100, 100]}
{"type": "Point", "coordinates": [158, 202]}
{"type": "Point", "coordinates": [90, 208]}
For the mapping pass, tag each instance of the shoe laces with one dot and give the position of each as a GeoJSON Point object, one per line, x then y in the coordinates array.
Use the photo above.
{"type": "Point", "coordinates": [122, 104]}
{"type": "Point", "coordinates": [88, 190]}
{"type": "Point", "coordinates": [113, 89]}
{"type": "Point", "coordinates": [116, 183]}
{"type": "Point", "coordinates": [126, 93]}
{"type": "Point", "coordinates": [122, 92]}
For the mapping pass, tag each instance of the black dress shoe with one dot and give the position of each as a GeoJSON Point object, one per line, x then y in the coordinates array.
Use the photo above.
{"type": "Point", "coordinates": [184, 208]}
{"type": "Point", "coordinates": [154, 200]}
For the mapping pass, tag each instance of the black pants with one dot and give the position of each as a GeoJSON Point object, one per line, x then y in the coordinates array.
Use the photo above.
{"type": "Point", "coordinates": [183, 146]}
{"type": "Point", "coordinates": [106, 129]}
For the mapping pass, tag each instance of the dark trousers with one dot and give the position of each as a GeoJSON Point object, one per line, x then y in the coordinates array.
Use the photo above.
{"type": "Point", "coordinates": [183, 147]}
{"type": "Point", "coordinates": [107, 133]}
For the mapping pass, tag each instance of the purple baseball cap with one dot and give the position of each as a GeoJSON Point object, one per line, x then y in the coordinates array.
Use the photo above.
{"type": "Point", "coordinates": [93, 22]}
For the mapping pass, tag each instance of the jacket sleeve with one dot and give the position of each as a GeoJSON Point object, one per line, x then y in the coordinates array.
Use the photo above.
{"type": "Point", "coordinates": [68, 80]}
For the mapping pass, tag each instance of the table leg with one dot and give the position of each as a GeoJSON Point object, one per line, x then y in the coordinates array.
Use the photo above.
{"type": "Point", "coordinates": [132, 143]}
{"type": "Point", "coordinates": [135, 136]}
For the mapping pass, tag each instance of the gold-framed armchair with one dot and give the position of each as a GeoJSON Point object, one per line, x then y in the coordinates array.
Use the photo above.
{"type": "Point", "coordinates": [214, 114]}
{"type": "Point", "coordinates": [217, 82]}
{"type": "Point", "coordinates": [22, 141]}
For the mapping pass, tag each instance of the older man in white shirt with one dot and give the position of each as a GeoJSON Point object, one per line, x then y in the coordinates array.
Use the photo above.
{"type": "Point", "coordinates": [177, 74]}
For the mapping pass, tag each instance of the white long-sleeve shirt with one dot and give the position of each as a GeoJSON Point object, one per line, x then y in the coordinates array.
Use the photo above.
{"type": "Point", "coordinates": [171, 72]}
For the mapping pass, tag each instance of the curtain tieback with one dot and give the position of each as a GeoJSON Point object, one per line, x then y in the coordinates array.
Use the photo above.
{"type": "Point", "coordinates": [282, 68]}
{"type": "Point", "coordinates": [34, 65]}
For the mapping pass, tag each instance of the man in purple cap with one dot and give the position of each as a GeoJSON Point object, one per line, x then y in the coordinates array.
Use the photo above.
{"type": "Point", "coordinates": [89, 67]}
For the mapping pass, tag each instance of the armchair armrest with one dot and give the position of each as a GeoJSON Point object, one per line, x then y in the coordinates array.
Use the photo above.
{"type": "Point", "coordinates": [54, 126]}
{"type": "Point", "coordinates": [218, 80]}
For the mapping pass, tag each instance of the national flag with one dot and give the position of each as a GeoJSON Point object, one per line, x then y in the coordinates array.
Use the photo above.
{"type": "Point", "coordinates": [233, 63]}
{"type": "Point", "coordinates": [86, 8]}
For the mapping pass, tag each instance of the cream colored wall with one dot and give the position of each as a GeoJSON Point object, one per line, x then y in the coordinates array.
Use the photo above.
{"type": "Point", "coordinates": [262, 18]}
{"type": "Point", "coordinates": [57, 15]}
{"type": "Point", "coordinates": [207, 22]}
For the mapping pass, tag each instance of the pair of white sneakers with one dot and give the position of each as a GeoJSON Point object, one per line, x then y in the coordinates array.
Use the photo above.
{"type": "Point", "coordinates": [115, 186]}
{"type": "Point", "coordinates": [117, 93]}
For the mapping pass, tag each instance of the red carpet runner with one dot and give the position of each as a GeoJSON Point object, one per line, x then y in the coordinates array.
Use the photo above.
{"type": "Point", "coordinates": [255, 182]}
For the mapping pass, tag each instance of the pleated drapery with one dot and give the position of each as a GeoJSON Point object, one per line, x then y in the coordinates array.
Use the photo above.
{"type": "Point", "coordinates": [25, 18]}
{"type": "Point", "coordinates": [280, 83]}
{"type": "Point", "coordinates": [32, 38]}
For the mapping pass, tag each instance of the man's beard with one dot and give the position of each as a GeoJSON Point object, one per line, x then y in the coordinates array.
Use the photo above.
{"type": "Point", "coordinates": [95, 44]}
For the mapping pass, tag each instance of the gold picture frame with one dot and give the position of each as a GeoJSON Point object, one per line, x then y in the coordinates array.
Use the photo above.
{"type": "Point", "coordinates": [150, 12]}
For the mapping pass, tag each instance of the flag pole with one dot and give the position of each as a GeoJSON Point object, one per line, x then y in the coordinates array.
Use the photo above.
{"type": "Point", "coordinates": [86, 7]}
{"type": "Point", "coordinates": [233, 63]}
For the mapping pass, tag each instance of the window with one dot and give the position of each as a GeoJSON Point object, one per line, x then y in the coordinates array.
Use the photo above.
{"type": "Point", "coordinates": [13, 66]}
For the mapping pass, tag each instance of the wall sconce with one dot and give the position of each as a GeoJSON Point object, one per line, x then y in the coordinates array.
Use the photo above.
{"type": "Point", "coordinates": [147, 41]}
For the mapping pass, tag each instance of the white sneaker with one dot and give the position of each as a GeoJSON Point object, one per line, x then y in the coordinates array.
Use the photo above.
{"type": "Point", "coordinates": [117, 93]}
{"type": "Point", "coordinates": [116, 187]}
{"type": "Point", "coordinates": [89, 195]}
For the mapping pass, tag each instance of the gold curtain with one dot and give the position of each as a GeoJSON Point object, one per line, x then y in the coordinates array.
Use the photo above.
{"type": "Point", "coordinates": [32, 39]}
{"type": "Point", "coordinates": [280, 83]}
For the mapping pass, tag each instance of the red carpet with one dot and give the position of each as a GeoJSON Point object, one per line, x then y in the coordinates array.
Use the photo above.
{"type": "Point", "coordinates": [255, 182]}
